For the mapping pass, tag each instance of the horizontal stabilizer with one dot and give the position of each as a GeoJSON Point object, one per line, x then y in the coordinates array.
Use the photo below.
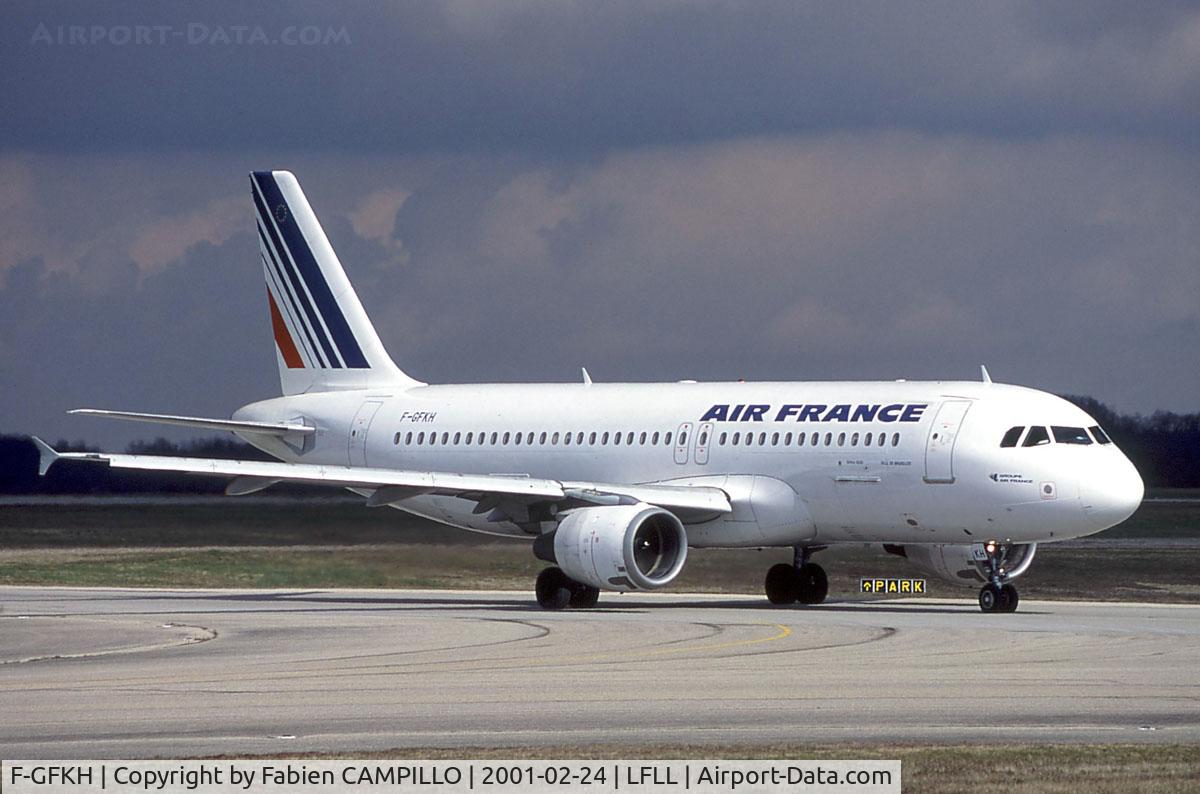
{"type": "Point", "coordinates": [396, 484]}
{"type": "Point", "coordinates": [232, 425]}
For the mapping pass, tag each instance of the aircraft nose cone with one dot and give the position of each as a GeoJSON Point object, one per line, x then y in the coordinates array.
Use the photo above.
{"type": "Point", "coordinates": [1113, 493]}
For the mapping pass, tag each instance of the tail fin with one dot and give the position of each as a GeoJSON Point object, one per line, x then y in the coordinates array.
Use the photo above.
{"type": "Point", "coordinates": [323, 338]}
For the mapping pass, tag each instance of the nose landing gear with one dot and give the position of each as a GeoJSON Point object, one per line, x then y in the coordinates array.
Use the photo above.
{"type": "Point", "coordinates": [997, 595]}
{"type": "Point", "coordinates": [801, 582]}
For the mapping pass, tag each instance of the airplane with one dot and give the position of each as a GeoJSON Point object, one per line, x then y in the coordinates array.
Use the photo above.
{"type": "Point", "coordinates": [613, 482]}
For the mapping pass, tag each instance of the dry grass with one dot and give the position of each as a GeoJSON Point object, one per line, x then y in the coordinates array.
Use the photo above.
{"type": "Point", "coordinates": [1153, 575]}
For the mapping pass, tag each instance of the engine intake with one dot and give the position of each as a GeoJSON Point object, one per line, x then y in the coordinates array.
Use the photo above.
{"type": "Point", "coordinates": [619, 547]}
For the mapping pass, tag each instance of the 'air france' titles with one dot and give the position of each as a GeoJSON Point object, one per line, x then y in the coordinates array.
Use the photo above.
{"type": "Point", "coordinates": [895, 412]}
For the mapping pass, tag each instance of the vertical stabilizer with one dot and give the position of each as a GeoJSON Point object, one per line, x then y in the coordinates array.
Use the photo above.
{"type": "Point", "coordinates": [323, 337]}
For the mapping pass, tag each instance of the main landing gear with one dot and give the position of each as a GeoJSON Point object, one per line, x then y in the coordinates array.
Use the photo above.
{"type": "Point", "coordinates": [997, 595]}
{"type": "Point", "coordinates": [801, 582]}
{"type": "Point", "coordinates": [555, 590]}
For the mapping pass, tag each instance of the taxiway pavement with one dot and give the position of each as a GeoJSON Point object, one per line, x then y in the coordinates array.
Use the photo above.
{"type": "Point", "coordinates": [105, 673]}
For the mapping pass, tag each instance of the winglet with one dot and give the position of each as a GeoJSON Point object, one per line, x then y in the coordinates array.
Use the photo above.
{"type": "Point", "coordinates": [986, 377]}
{"type": "Point", "coordinates": [587, 379]}
{"type": "Point", "coordinates": [46, 455]}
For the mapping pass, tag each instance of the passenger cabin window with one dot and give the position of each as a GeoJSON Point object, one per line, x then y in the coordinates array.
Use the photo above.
{"type": "Point", "coordinates": [1037, 436]}
{"type": "Point", "coordinates": [1100, 436]}
{"type": "Point", "coordinates": [1070, 435]}
{"type": "Point", "coordinates": [1012, 436]}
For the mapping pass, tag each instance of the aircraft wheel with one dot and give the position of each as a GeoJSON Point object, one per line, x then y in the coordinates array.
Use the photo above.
{"type": "Point", "coordinates": [782, 584]}
{"type": "Point", "coordinates": [553, 589]}
{"type": "Point", "coordinates": [812, 583]}
{"type": "Point", "coordinates": [1008, 599]}
{"type": "Point", "coordinates": [989, 598]}
{"type": "Point", "coordinates": [584, 596]}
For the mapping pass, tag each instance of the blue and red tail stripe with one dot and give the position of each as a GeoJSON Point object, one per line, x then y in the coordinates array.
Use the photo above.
{"type": "Point", "coordinates": [293, 260]}
{"type": "Point", "coordinates": [283, 337]}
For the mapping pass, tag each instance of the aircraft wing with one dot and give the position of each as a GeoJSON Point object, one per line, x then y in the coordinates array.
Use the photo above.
{"type": "Point", "coordinates": [395, 485]}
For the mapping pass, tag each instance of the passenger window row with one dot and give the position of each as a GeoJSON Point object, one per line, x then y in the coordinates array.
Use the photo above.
{"type": "Point", "coordinates": [645, 438]}
{"type": "Point", "coordinates": [530, 439]}
{"type": "Point", "coordinates": [814, 439]}
{"type": "Point", "coordinates": [1039, 435]}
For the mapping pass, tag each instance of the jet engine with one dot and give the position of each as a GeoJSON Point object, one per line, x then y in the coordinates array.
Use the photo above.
{"type": "Point", "coordinates": [618, 547]}
{"type": "Point", "coordinates": [964, 564]}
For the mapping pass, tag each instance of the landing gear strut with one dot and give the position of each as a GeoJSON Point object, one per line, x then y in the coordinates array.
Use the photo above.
{"type": "Point", "coordinates": [997, 595]}
{"type": "Point", "coordinates": [803, 581]}
{"type": "Point", "coordinates": [555, 590]}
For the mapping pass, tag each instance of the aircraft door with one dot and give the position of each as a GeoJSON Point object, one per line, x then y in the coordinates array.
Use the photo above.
{"type": "Point", "coordinates": [358, 432]}
{"type": "Point", "coordinates": [939, 447]}
{"type": "Point", "coordinates": [683, 438]}
{"type": "Point", "coordinates": [703, 442]}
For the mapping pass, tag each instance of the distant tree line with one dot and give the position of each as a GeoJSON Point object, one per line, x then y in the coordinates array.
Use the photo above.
{"type": "Point", "coordinates": [1164, 446]}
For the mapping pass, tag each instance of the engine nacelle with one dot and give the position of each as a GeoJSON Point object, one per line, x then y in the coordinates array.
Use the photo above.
{"type": "Point", "coordinates": [621, 547]}
{"type": "Point", "coordinates": [964, 564]}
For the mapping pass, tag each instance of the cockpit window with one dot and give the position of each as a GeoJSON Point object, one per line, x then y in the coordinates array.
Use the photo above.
{"type": "Point", "coordinates": [1100, 436]}
{"type": "Point", "coordinates": [1037, 436]}
{"type": "Point", "coordinates": [1070, 435]}
{"type": "Point", "coordinates": [1012, 436]}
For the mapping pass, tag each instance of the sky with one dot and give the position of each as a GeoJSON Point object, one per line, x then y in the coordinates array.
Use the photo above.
{"type": "Point", "coordinates": [657, 191]}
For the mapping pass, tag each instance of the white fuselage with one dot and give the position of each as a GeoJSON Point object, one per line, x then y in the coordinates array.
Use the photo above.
{"type": "Point", "coordinates": [905, 462]}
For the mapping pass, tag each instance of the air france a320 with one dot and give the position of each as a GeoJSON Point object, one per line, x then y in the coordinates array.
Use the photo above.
{"type": "Point", "coordinates": [613, 483]}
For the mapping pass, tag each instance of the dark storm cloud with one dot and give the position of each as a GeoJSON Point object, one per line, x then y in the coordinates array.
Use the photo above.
{"type": "Point", "coordinates": [658, 191]}
{"type": "Point", "coordinates": [569, 77]}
